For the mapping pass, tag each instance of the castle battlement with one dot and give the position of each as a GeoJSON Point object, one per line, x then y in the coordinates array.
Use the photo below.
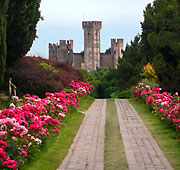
{"type": "Point", "coordinates": [66, 44]}
{"type": "Point", "coordinates": [53, 46]}
{"type": "Point", "coordinates": [117, 41]}
{"type": "Point", "coordinates": [92, 25]}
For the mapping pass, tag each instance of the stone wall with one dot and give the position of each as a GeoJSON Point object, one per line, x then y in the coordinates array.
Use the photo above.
{"type": "Point", "coordinates": [106, 61]}
{"type": "Point", "coordinates": [78, 59]}
{"type": "Point", "coordinates": [62, 52]}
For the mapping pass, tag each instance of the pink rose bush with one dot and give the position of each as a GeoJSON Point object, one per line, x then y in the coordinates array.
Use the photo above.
{"type": "Point", "coordinates": [164, 104]}
{"type": "Point", "coordinates": [23, 128]}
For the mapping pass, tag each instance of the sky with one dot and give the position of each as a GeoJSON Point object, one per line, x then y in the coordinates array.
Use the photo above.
{"type": "Point", "coordinates": [63, 20]}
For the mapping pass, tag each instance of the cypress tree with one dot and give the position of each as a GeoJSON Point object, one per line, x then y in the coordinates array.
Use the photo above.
{"type": "Point", "coordinates": [3, 50]}
{"type": "Point", "coordinates": [22, 19]}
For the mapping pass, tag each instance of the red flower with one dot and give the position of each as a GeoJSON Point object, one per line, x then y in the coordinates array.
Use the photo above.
{"type": "Point", "coordinates": [10, 164]}
{"type": "Point", "coordinates": [2, 155]}
{"type": "Point", "coordinates": [56, 130]}
{"type": "Point", "coordinates": [3, 144]}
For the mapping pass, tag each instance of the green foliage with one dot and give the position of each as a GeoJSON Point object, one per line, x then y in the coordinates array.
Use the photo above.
{"type": "Point", "coordinates": [158, 44]}
{"type": "Point", "coordinates": [151, 83]}
{"type": "Point", "coordinates": [128, 93]}
{"type": "Point", "coordinates": [108, 51]}
{"type": "Point", "coordinates": [161, 35]}
{"type": "Point", "coordinates": [3, 49]}
{"type": "Point", "coordinates": [130, 66]}
{"type": "Point", "coordinates": [49, 67]}
{"type": "Point", "coordinates": [126, 74]}
{"type": "Point", "coordinates": [103, 80]}
{"type": "Point", "coordinates": [147, 27]}
{"type": "Point", "coordinates": [23, 16]}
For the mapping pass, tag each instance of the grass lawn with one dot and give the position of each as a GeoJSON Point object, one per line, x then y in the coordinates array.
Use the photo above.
{"type": "Point", "coordinates": [164, 135]}
{"type": "Point", "coordinates": [85, 103]}
{"type": "Point", "coordinates": [56, 148]}
{"type": "Point", "coordinates": [115, 158]}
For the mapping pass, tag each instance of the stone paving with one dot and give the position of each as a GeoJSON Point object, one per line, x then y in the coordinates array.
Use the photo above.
{"type": "Point", "coordinates": [142, 151]}
{"type": "Point", "coordinates": [87, 151]}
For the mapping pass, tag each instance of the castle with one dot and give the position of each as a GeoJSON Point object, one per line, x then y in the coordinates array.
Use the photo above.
{"type": "Point", "coordinates": [91, 58]}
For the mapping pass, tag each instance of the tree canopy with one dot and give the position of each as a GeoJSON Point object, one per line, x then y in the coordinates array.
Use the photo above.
{"type": "Point", "coordinates": [18, 20]}
{"type": "Point", "coordinates": [22, 19]}
{"type": "Point", "coordinates": [158, 44]}
{"type": "Point", "coordinates": [161, 31]}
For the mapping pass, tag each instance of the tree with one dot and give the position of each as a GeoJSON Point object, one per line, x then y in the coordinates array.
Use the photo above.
{"type": "Point", "coordinates": [23, 16]}
{"type": "Point", "coordinates": [130, 66]}
{"type": "Point", "coordinates": [3, 50]}
{"type": "Point", "coordinates": [108, 51]}
{"type": "Point", "coordinates": [163, 39]}
{"type": "Point", "coordinates": [132, 52]}
{"type": "Point", "coordinates": [147, 27]}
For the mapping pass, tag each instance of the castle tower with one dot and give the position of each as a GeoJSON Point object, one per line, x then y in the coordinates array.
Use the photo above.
{"type": "Point", "coordinates": [91, 44]}
{"type": "Point", "coordinates": [116, 50]}
{"type": "Point", "coordinates": [65, 51]}
{"type": "Point", "coordinates": [62, 52]}
{"type": "Point", "coordinates": [53, 50]}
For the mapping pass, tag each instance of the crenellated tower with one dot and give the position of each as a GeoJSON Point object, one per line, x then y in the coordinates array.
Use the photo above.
{"type": "Point", "coordinates": [91, 44]}
{"type": "Point", "coordinates": [53, 50]}
{"type": "Point", "coordinates": [62, 52]}
{"type": "Point", "coordinates": [116, 50]}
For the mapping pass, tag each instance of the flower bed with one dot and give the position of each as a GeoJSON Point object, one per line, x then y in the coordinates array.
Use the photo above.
{"type": "Point", "coordinates": [24, 128]}
{"type": "Point", "coordinates": [164, 104]}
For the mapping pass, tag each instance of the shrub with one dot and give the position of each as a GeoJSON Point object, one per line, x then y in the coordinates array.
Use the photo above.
{"type": "Point", "coordinates": [149, 73]}
{"type": "Point", "coordinates": [37, 76]}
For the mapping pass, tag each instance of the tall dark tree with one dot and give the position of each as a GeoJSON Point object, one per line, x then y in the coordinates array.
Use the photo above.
{"type": "Point", "coordinates": [163, 38]}
{"type": "Point", "coordinates": [147, 27]}
{"type": "Point", "coordinates": [130, 66]}
{"type": "Point", "coordinates": [3, 50]}
{"type": "Point", "coordinates": [23, 16]}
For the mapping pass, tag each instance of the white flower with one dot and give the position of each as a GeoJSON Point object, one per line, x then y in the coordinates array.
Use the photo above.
{"type": "Point", "coordinates": [12, 105]}
{"type": "Point", "coordinates": [15, 97]}
{"type": "Point", "coordinates": [14, 138]}
{"type": "Point", "coordinates": [29, 144]}
{"type": "Point", "coordinates": [38, 141]}
{"type": "Point", "coordinates": [61, 114]}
